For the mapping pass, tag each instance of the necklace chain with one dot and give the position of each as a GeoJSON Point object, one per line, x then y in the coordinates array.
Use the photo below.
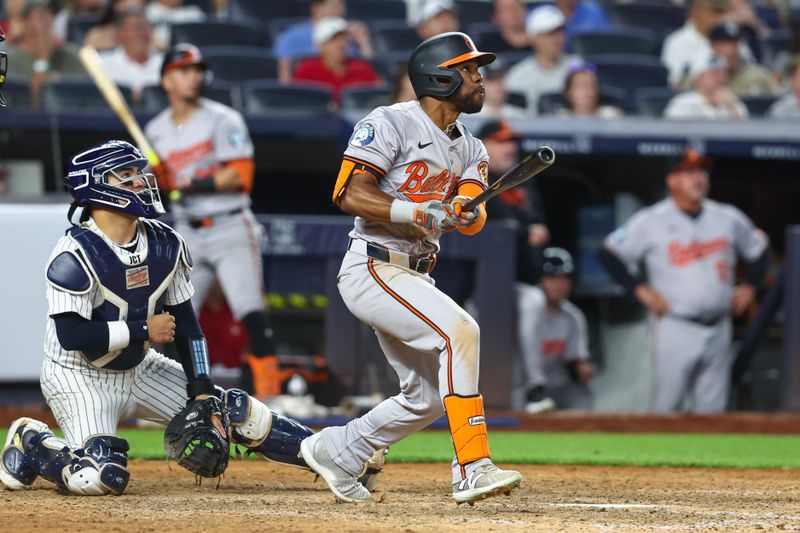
{"type": "Point", "coordinates": [449, 129]}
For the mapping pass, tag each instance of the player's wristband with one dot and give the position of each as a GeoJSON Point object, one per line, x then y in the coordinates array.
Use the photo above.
{"type": "Point", "coordinates": [204, 185]}
{"type": "Point", "coordinates": [402, 212]}
{"type": "Point", "coordinates": [119, 336]}
{"type": "Point", "coordinates": [138, 330]}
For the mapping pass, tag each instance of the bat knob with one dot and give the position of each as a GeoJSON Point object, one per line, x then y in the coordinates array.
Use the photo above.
{"type": "Point", "coordinates": [546, 154]}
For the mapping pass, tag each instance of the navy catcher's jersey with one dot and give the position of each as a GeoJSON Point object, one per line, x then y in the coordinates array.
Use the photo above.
{"type": "Point", "coordinates": [117, 284]}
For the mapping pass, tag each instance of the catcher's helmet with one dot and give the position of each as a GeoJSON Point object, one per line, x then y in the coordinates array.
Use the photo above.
{"type": "Point", "coordinates": [88, 175]}
{"type": "Point", "coordinates": [182, 55]}
{"type": "Point", "coordinates": [3, 68]}
{"type": "Point", "coordinates": [557, 261]}
{"type": "Point", "coordinates": [429, 65]}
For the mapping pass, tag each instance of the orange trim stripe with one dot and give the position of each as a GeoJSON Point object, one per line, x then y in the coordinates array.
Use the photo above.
{"type": "Point", "coordinates": [464, 57]}
{"type": "Point", "coordinates": [421, 317]}
{"type": "Point", "coordinates": [471, 181]}
{"type": "Point", "coordinates": [366, 164]}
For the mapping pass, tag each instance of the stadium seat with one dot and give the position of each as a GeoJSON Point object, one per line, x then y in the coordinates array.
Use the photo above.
{"type": "Point", "coordinates": [551, 103]}
{"type": "Point", "coordinates": [388, 65]}
{"type": "Point", "coordinates": [517, 100]}
{"type": "Point", "coordinates": [276, 25]}
{"type": "Point", "coordinates": [630, 72]}
{"type": "Point", "coordinates": [154, 99]}
{"type": "Point", "coordinates": [473, 11]}
{"type": "Point", "coordinates": [370, 10]}
{"type": "Point", "coordinates": [17, 93]}
{"type": "Point", "coordinates": [654, 16]}
{"type": "Point", "coordinates": [366, 97]}
{"type": "Point", "coordinates": [272, 98]}
{"type": "Point", "coordinates": [758, 106]}
{"type": "Point", "coordinates": [72, 93]}
{"type": "Point", "coordinates": [393, 37]}
{"type": "Point", "coordinates": [616, 41]}
{"type": "Point", "coordinates": [262, 10]}
{"type": "Point", "coordinates": [206, 5]}
{"type": "Point", "coordinates": [240, 63]}
{"type": "Point", "coordinates": [651, 101]}
{"type": "Point", "coordinates": [220, 33]}
{"type": "Point", "coordinates": [79, 25]}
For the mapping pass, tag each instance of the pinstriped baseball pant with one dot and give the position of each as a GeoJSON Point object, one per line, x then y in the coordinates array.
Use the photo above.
{"type": "Point", "coordinates": [88, 401]}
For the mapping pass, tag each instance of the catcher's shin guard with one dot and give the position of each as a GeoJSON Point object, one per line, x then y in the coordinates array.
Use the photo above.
{"type": "Point", "coordinates": [468, 427]}
{"type": "Point", "coordinates": [100, 467]}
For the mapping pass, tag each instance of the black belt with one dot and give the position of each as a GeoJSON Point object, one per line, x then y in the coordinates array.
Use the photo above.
{"type": "Point", "coordinates": [423, 264]}
{"type": "Point", "coordinates": [208, 221]}
{"type": "Point", "coordinates": [702, 321]}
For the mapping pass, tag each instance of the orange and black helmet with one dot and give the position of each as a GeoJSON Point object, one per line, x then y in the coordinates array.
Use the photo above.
{"type": "Point", "coordinates": [429, 67]}
{"type": "Point", "coordinates": [182, 55]}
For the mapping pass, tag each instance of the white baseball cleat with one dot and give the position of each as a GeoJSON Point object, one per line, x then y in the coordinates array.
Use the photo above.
{"type": "Point", "coordinates": [15, 474]}
{"type": "Point", "coordinates": [486, 481]}
{"type": "Point", "coordinates": [345, 486]}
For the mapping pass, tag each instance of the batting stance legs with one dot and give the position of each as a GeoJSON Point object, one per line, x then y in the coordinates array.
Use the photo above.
{"type": "Point", "coordinates": [433, 345]}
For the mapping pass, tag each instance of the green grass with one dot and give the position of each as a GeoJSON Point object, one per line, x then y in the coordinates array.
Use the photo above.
{"type": "Point", "coordinates": [707, 450]}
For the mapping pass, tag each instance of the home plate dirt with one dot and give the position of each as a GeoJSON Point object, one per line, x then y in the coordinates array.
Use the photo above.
{"type": "Point", "coordinates": [260, 496]}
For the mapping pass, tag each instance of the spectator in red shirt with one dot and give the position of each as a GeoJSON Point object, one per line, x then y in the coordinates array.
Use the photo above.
{"type": "Point", "coordinates": [332, 67]}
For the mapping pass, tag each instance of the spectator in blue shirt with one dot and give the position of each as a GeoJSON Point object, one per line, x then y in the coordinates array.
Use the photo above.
{"type": "Point", "coordinates": [582, 15]}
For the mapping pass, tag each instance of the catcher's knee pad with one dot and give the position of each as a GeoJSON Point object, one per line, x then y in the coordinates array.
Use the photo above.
{"type": "Point", "coordinates": [100, 467]}
{"type": "Point", "coordinates": [251, 420]}
{"type": "Point", "coordinates": [468, 427]}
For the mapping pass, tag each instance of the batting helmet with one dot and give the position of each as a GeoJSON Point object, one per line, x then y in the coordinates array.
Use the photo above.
{"type": "Point", "coordinates": [557, 261]}
{"type": "Point", "coordinates": [3, 68]}
{"type": "Point", "coordinates": [429, 65]}
{"type": "Point", "coordinates": [182, 55]}
{"type": "Point", "coordinates": [88, 174]}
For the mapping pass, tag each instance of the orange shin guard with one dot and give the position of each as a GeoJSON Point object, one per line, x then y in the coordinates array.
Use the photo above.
{"type": "Point", "coordinates": [467, 427]}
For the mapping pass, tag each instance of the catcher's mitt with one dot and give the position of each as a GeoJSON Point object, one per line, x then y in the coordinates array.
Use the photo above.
{"type": "Point", "coordinates": [192, 440]}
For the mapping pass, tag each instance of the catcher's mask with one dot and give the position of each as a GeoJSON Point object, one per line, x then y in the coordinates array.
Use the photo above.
{"type": "Point", "coordinates": [3, 68]}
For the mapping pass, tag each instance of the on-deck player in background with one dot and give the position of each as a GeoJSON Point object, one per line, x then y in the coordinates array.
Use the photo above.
{"type": "Point", "coordinates": [406, 172]}
{"type": "Point", "coordinates": [555, 340]}
{"type": "Point", "coordinates": [117, 282]}
{"type": "Point", "coordinates": [207, 160]}
{"type": "Point", "coordinates": [689, 246]}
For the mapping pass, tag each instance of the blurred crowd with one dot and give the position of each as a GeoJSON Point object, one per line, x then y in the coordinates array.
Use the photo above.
{"type": "Point", "coordinates": [715, 59]}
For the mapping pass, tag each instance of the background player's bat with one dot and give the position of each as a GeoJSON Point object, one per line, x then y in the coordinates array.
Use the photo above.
{"type": "Point", "coordinates": [530, 165]}
{"type": "Point", "coordinates": [91, 61]}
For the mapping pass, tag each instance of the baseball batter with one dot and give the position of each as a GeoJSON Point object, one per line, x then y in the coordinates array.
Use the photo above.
{"type": "Point", "coordinates": [207, 159]}
{"type": "Point", "coordinates": [689, 246]}
{"type": "Point", "coordinates": [117, 282]}
{"type": "Point", "coordinates": [405, 174]}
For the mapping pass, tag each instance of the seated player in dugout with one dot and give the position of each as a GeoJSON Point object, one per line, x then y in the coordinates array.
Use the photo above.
{"type": "Point", "coordinates": [116, 282]}
{"type": "Point", "coordinates": [554, 343]}
{"type": "Point", "coordinates": [208, 168]}
{"type": "Point", "coordinates": [407, 173]}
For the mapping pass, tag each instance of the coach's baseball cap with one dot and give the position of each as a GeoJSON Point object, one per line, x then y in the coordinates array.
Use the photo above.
{"type": "Point", "coordinates": [544, 20]}
{"type": "Point", "coordinates": [182, 55]}
{"type": "Point", "coordinates": [327, 28]}
{"type": "Point", "coordinates": [690, 158]}
{"type": "Point", "coordinates": [727, 31]}
{"type": "Point", "coordinates": [497, 130]}
{"type": "Point", "coordinates": [557, 262]}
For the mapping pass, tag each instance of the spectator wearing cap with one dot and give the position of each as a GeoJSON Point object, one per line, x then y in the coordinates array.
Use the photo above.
{"type": "Point", "coordinates": [162, 14]}
{"type": "Point", "coordinates": [581, 94]}
{"type": "Point", "coordinates": [332, 67]}
{"type": "Point", "coordinates": [434, 17]}
{"type": "Point", "coordinates": [744, 78]}
{"type": "Point", "coordinates": [508, 16]}
{"type": "Point", "coordinates": [547, 68]}
{"type": "Point", "coordinates": [134, 63]}
{"type": "Point", "coordinates": [496, 98]}
{"type": "Point", "coordinates": [692, 39]}
{"type": "Point", "coordinates": [297, 41]}
{"type": "Point", "coordinates": [788, 105]}
{"type": "Point", "coordinates": [711, 98]}
{"type": "Point", "coordinates": [39, 55]}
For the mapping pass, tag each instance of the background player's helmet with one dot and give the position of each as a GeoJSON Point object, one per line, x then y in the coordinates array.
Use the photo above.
{"type": "Point", "coordinates": [3, 68]}
{"type": "Point", "coordinates": [182, 55]}
{"type": "Point", "coordinates": [88, 176]}
{"type": "Point", "coordinates": [557, 261]}
{"type": "Point", "coordinates": [429, 65]}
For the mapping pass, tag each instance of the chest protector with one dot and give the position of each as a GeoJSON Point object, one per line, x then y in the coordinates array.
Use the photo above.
{"type": "Point", "coordinates": [131, 289]}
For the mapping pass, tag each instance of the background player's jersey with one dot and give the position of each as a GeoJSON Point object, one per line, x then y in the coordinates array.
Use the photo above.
{"type": "Point", "coordinates": [416, 162]}
{"type": "Point", "coordinates": [691, 261]}
{"type": "Point", "coordinates": [213, 135]}
{"type": "Point", "coordinates": [177, 290]}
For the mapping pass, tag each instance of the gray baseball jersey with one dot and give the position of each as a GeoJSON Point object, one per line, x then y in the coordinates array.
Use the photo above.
{"type": "Point", "coordinates": [416, 162]}
{"type": "Point", "coordinates": [691, 261]}
{"type": "Point", "coordinates": [197, 149]}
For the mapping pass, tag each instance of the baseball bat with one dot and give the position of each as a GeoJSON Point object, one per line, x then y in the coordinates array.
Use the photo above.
{"type": "Point", "coordinates": [531, 165]}
{"type": "Point", "coordinates": [91, 61]}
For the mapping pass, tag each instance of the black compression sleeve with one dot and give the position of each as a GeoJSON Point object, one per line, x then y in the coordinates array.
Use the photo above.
{"type": "Point", "coordinates": [617, 270]}
{"type": "Point", "coordinates": [192, 349]}
{"type": "Point", "coordinates": [76, 333]}
{"type": "Point", "coordinates": [757, 270]}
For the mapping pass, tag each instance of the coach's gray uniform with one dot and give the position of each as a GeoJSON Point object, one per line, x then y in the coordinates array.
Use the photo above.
{"type": "Point", "coordinates": [87, 400]}
{"type": "Point", "coordinates": [219, 228]}
{"type": "Point", "coordinates": [691, 261]}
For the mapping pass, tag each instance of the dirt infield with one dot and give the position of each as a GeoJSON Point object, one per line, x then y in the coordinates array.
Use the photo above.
{"type": "Point", "coordinates": [259, 496]}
